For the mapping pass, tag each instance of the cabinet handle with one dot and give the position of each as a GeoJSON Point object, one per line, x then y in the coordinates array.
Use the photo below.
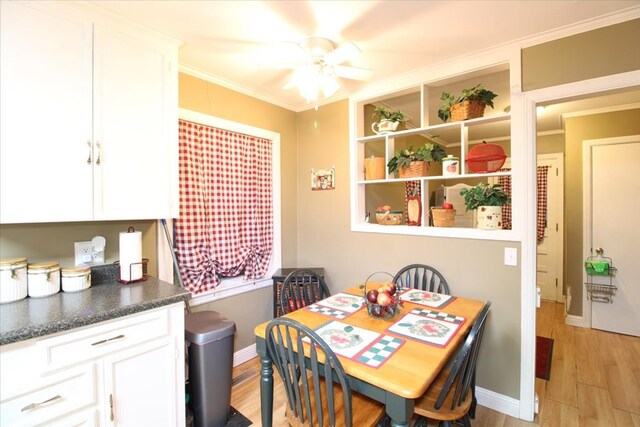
{"type": "Point", "coordinates": [99, 153]}
{"type": "Point", "coordinates": [112, 416]}
{"type": "Point", "coordinates": [38, 404]}
{"type": "Point", "coordinates": [119, 337]}
{"type": "Point", "coordinates": [89, 158]}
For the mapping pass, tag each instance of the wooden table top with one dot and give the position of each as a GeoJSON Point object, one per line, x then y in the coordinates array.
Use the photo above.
{"type": "Point", "coordinates": [410, 370]}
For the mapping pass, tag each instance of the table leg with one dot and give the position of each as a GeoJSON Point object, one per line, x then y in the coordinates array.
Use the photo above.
{"type": "Point", "coordinates": [399, 409]}
{"type": "Point", "coordinates": [266, 389]}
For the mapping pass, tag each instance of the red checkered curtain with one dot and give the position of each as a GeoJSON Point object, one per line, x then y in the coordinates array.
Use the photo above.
{"type": "Point", "coordinates": [226, 214]}
{"type": "Point", "coordinates": [541, 217]}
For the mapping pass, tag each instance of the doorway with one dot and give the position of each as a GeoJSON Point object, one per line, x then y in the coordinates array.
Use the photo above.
{"type": "Point", "coordinates": [610, 211]}
{"type": "Point", "coordinates": [550, 251]}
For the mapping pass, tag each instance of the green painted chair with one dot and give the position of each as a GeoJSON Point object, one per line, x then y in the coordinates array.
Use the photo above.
{"type": "Point", "coordinates": [450, 397]}
{"type": "Point", "coordinates": [301, 288]}
{"type": "Point", "coordinates": [423, 277]}
{"type": "Point", "coordinates": [311, 400]}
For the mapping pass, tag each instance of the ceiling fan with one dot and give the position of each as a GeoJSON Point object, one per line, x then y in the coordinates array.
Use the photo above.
{"type": "Point", "coordinates": [317, 64]}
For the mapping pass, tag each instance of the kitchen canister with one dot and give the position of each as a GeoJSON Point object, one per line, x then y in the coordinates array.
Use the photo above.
{"type": "Point", "coordinates": [43, 279]}
{"type": "Point", "coordinates": [13, 279]}
{"type": "Point", "coordinates": [450, 166]}
{"type": "Point", "coordinates": [75, 279]}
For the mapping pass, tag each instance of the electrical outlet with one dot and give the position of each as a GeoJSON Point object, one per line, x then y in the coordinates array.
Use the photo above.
{"type": "Point", "coordinates": [83, 252]}
{"type": "Point", "coordinates": [511, 256]}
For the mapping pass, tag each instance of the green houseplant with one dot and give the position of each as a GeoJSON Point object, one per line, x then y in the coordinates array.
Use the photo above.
{"type": "Point", "coordinates": [469, 104]}
{"type": "Point", "coordinates": [412, 162]}
{"type": "Point", "coordinates": [487, 200]}
{"type": "Point", "coordinates": [386, 120]}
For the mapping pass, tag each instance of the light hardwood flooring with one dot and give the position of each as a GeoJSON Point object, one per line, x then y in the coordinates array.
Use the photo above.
{"type": "Point", "coordinates": [595, 381]}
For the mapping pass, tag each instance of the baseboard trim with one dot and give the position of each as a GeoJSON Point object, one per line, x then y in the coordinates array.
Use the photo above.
{"type": "Point", "coordinates": [573, 320]}
{"type": "Point", "coordinates": [244, 355]}
{"type": "Point", "coordinates": [498, 402]}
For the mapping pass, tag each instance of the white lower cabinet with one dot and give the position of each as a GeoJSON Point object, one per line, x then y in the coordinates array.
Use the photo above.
{"type": "Point", "coordinates": [108, 374]}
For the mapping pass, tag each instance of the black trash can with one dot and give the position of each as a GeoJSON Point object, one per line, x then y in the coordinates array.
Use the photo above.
{"type": "Point", "coordinates": [210, 338]}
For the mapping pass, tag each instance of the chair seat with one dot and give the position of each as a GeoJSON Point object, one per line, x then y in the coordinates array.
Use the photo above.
{"type": "Point", "coordinates": [366, 411]}
{"type": "Point", "coordinates": [425, 405]}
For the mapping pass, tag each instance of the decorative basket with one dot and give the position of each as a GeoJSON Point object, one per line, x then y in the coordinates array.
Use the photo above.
{"type": "Point", "coordinates": [443, 217]}
{"type": "Point", "coordinates": [486, 158]}
{"type": "Point", "coordinates": [389, 217]}
{"type": "Point", "coordinates": [382, 311]}
{"type": "Point", "coordinates": [466, 110]}
{"type": "Point", "coordinates": [418, 168]}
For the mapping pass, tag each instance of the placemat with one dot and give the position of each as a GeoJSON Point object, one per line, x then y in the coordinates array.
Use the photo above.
{"type": "Point", "coordinates": [380, 351]}
{"type": "Point", "coordinates": [430, 299]}
{"type": "Point", "coordinates": [346, 340]}
{"type": "Point", "coordinates": [331, 312]}
{"type": "Point", "coordinates": [438, 315]}
{"type": "Point", "coordinates": [432, 331]}
{"type": "Point", "coordinates": [344, 302]}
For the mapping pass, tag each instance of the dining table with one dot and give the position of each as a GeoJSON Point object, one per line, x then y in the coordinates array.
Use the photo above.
{"type": "Point", "coordinates": [391, 360]}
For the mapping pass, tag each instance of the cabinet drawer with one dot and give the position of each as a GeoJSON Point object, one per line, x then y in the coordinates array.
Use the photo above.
{"type": "Point", "coordinates": [56, 396]}
{"type": "Point", "coordinates": [98, 340]}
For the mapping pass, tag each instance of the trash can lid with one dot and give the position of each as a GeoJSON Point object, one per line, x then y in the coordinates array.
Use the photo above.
{"type": "Point", "coordinates": [206, 326]}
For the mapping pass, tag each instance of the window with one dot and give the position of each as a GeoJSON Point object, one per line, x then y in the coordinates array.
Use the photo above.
{"type": "Point", "coordinates": [227, 238]}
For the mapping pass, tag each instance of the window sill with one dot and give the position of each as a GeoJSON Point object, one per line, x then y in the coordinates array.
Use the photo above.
{"type": "Point", "coordinates": [231, 287]}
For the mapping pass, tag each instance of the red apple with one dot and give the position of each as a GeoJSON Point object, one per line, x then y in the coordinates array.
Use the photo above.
{"type": "Point", "coordinates": [452, 167]}
{"type": "Point", "coordinates": [447, 206]}
{"type": "Point", "coordinates": [372, 296]}
{"type": "Point", "coordinates": [383, 208]}
{"type": "Point", "coordinates": [384, 298]}
{"type": "Point", "coordinates": [391, 288]}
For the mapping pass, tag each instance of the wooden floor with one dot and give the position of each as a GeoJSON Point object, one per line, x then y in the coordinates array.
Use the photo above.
{"type": "Point", "coordinates": [595, 381]}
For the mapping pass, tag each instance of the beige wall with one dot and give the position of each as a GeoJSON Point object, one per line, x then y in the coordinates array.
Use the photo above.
{"type": "Point", "coordinates": [473, 268]}
{"type": "Point", "coordinates": [54, 241]}
{"type": "Point", "coordinates": [253, 308]}
{"type": "Point", "coordinates": [579, 129]}
{"type": "Point", "coordinates": [602, 52]}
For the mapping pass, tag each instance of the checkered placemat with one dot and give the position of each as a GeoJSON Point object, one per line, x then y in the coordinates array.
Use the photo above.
{"type": "Point", "coordinates": [327, 311]}
{"type": "Point", "coordinates": [438, 315]}
{"type": "Point", "coordinates": [380, 351]}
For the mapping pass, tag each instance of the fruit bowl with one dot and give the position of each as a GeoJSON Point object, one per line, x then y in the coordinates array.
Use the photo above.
{"type": "Point", "coordinates": [382, 297]}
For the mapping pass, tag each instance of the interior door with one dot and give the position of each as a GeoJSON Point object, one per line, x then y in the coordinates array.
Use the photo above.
{"type": "Point", "coordinates": [550, 250]}
{"type": "Point", "coordinates": [614, 211]}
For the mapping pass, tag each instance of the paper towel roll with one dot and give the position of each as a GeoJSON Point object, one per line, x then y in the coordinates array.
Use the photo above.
{"type": "Point", "coordinates": [131, 255]}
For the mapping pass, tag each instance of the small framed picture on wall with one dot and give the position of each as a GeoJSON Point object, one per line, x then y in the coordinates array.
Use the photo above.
{"type": "Point", "coordinates": [323, 179]}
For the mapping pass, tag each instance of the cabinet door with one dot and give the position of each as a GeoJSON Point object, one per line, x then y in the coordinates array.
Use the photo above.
{"type": "Point", "coordinates": [135, 125]}
{"type": "Point", "coordinates": [141, 386]}
{"type": "Point", "coordinates": [45, 111]}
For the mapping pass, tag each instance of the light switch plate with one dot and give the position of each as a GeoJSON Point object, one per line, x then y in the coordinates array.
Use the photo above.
{"type": "Point", "coordinates": [83, 252]}
{"type": "Point", "coordinates": [511, 256]}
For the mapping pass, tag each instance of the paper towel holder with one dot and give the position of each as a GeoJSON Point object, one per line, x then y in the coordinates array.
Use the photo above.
{"type": "Point", "coordinates": [144, 277]}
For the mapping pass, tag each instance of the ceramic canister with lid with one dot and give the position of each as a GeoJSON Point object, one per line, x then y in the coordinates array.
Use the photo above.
{"type": "Point", "coordinates": [13, 279]}
{"type": "Point", "coordinates": [75, 278]}
{"type": "Point", "coordinates": [43, 279]}
{"type": "Point", "coordinates": [450, 166]}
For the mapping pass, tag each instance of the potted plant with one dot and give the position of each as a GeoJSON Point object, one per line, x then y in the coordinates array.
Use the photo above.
{"type": "Point", "coordinates": [386, 120]}
{"type": "Point", "coordinates": [470, 104]}
{"type": "Point", "coordinates": [488, 201]}
{"type": "Point", "coordinates": [410, 162]}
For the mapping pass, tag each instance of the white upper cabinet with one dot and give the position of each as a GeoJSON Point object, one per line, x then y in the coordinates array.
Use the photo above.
{"type": "Point", "coordinates": [89, 117]}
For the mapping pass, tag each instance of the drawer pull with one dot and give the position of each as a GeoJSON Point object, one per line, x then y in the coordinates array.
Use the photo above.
{"type": "Point", "coordinates": [119, 337]}
{"type": "Point", "coordinates": [37, 405]}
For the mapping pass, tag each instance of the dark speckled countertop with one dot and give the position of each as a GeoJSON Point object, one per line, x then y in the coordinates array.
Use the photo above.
{"type": "Point", "coordinates": [106, 299]}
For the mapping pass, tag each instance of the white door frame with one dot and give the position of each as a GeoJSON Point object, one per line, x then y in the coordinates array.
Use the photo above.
{"type": "Point", "coordinates": [587, 229]}
{"type": "Point", "coordinates": [526, 125]}
{"type": "Point", "coordinates": [559, 203]}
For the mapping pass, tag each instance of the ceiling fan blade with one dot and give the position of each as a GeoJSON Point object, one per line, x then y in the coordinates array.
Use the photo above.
{"type": "Point", "coordinates": [284, 55]}
{"type": "Point", "coordinates": [342, 53]}
{"type": "Point", "coordinates": [353, 73]}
